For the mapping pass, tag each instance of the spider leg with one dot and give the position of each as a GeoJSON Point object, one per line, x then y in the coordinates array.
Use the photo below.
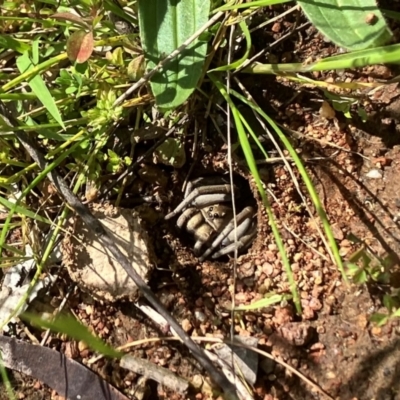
{"type": "Point", "coordinates": [186, 216]}
{"type": "Point", "coordinates": [203, 196]}
{"type": "Point", "coordinates": [192, 220]}
{"type": "Point", "coordinates": [199, 244]}
{"type": "Point", "coordinates": [204, 181]}
{"type": "Point", "coordinates": [242, 243]}
{"type": "Point", "coordinates": [205, 200]}
{"type": "Point", "coordinates": [241, 230]}
{"type": "Point", "coordinates": [245, 213]}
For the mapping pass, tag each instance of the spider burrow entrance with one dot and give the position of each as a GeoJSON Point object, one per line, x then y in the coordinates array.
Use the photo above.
{"type": "Point", "coordinates": [206, 213]}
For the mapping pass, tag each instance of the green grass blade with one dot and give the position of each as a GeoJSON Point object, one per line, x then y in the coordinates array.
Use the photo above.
{"type": "Point", "coordinates": [306, 179]}
{"type": "Point", "coordinates": [254, 136]}
{"type": "Point", "coordinates": [23, 211]}
{"type": "Point", "coordinates": [38, 87]}
{"type": "Point", "coordinates": [391, 14]}
{"type": "Point", "coordinates": [110, 6]}
{"type": "Point", "coordinates": [6, 380]}
{"type": "Point", "coordinates": [245, 144]}
{"type": "Point", "coordinates": [28, 189]}
{"type": "Point", "coordinates": [8, 42]}
{"type": "Point", "coordinates": [267, 301]}
{"type": "Point", "coordinates": [352, 24]}
{"type": "Point", "coordinates": [164, 26]}
{"type": "Point", "coordinates": [356, 59]}
{"type": "Point", "coordinates": [71, 327]}
{"type": "Point", "coordinates": [238, 63]}
{"type": "Point", "coordinates": [33, 71]}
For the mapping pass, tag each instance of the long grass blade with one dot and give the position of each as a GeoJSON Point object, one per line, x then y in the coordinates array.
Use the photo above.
{"type": "Point", "coordinates": [248, 153]}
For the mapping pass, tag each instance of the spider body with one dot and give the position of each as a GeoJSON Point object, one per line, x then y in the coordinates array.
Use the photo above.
{"type": "Point", "coordinates": [207, 214]}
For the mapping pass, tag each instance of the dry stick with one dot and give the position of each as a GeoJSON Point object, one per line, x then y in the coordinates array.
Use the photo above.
{"type": "Point", "coordinates": [167, 59]}
{"type": "Point", "coordinates": [243, 390]}
{"type": "Point", "coordinates": [270, 21]}
{"type": "Point", "coordinates": [140, 342]}
{"type": "Point", "coordinates": [299, 135]}
{"type": "Point", "coordinates": [229, 137]}
{"type": "Point", "coordinates": [156, 373]}
{"type": "Point", "coordinates": [94, 225]}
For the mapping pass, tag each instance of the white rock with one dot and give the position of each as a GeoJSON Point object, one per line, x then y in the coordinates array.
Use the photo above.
{"type": "Point", "coordinates": [374, 174]}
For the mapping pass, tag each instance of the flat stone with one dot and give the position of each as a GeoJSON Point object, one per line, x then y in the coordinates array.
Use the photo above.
{"type": "Point", "coordinates": [93, 267]}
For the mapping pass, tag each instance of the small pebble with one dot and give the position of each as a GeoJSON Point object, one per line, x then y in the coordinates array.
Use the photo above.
{"type": "Point", "coordinates": [326, 111]}
{"type": "Point", "coordinates": [374, 174]}
{"type": "Point", "coordinates": [82, 345]}
{"type": "Point", "coordinates": [200, 316]}
{"type": "Point", "coordinates": [186, 325]}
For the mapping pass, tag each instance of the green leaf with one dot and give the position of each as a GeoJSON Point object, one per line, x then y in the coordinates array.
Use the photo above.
{"type": "Point", "coordinates": [396, 313]}
{"type": "Point", "coordinates": [119, 12]}
{"type": "Point", "coordinates": [71, 327]}
{"type": "Point", "coordinates": [388, 302]}
{"type": "Point", "coordinates": [362, 114]}
{"type": "Point", "coordinates": [164, 26]}
{"type": "Point", "coordinates": [256, 3]}
{"type": "Point", "coordinates": [136, 68]}
{"type": "Point", "coordinates": [356, 59]}
{"type": "Point", "coordinates": [80, 46]}
{"type": "Point", "coordinates": [38, 87]}
{"type": "Point", "coordinates": [360, 277]}
{"type": "Point", "coordinates": [238, 63]}
{"type": "Point", "coordinates": [75, 19]}
{"type": "Point", "coordinates": [23, 211]}
{"type": "Point", "coordinates": [379, 319]}
{"type": "Point", "coordinates": [7, 42]}
{"type": "Point", "coordinates": [171, 152]}
{"type": "Point", "coordinates": [352, 24]}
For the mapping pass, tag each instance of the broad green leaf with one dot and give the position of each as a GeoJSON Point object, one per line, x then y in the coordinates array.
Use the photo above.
{"type": "Point", "coordinates": [352, 24]}
{"type": "Point", "coordinates": [164, 26]}
{"type": "Point", "coordinates": [38, 87]}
